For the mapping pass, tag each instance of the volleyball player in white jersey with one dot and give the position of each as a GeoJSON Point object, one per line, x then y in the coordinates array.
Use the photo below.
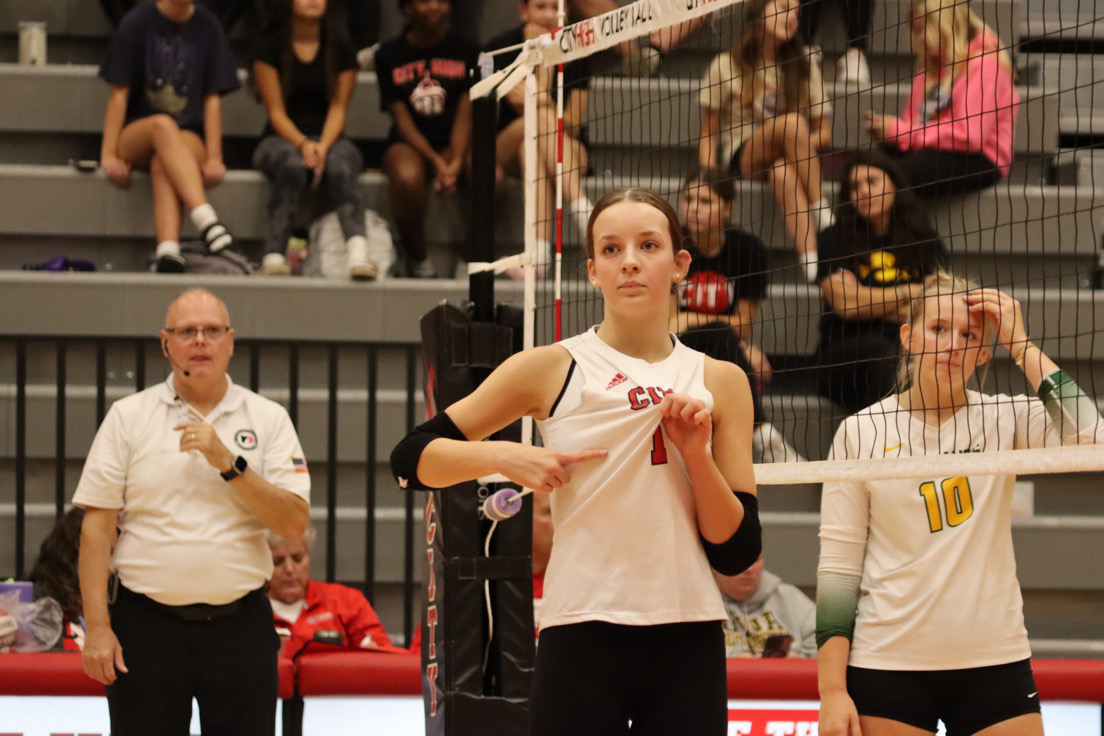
{"type": "Point", "coordinates": [928, 562]}
{"type": "Point", "coordinates": [645, 443]}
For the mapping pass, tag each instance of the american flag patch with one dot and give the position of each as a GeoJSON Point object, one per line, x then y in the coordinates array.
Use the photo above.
{"type": "Point", "coordinates": [300, 464]}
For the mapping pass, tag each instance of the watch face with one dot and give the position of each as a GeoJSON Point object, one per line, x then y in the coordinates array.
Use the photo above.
{"type": "Point", "coordinates": [240, 464]}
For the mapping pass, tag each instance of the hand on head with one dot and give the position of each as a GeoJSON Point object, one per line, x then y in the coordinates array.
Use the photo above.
{"type": "Point", "coordinates": [1002, 312]}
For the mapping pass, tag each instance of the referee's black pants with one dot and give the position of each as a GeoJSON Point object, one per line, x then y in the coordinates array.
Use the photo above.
{"type": "Point", "coordinates": [227, 664]}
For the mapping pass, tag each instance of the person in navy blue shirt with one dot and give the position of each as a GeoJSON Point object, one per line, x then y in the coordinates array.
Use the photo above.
{"type": "Point", "coordinates": [168, 64]}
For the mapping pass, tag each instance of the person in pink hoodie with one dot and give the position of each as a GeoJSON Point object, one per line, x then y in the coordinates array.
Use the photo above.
{"type": "Point", "coordinates": [956, 132]}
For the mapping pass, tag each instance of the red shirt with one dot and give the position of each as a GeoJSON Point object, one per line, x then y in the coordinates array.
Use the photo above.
{"type": "Point", "coordinates": [334, 607]}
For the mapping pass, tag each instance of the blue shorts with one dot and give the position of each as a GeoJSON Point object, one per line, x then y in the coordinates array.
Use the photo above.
{"type": "Point", "coordinates": [965, 700]}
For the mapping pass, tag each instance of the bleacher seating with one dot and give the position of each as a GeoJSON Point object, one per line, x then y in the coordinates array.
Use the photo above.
{"type": "Point", "coordinates": [1045, 222]}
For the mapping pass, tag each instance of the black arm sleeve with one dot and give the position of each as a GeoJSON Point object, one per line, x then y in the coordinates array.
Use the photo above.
{"type": "Point", "coordinates": [405, 456]}
{"type": "Point", "coordinates": [743, 547]}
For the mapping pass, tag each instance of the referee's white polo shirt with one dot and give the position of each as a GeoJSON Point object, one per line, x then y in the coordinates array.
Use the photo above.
{"type": "Point", "coordinates": [185, 536]}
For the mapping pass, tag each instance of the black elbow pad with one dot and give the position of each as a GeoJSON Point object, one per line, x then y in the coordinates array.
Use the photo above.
{"type": "Point", "coordinates": [405, 456]}
{"type": "Point", "coordinates": [744, 547]}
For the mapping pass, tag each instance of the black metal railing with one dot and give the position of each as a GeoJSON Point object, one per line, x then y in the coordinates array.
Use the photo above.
{"type": "Point", "coordinates": [83, 363]}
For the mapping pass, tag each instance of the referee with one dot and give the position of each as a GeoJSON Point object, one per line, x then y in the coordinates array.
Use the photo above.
{"type": "Point", "coordinates": [178, 488]}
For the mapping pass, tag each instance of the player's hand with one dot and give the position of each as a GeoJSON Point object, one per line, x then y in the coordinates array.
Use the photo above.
{"type": "Point", "coordinates": [213, 171]}
{"type": "Point", "coordinates": [542, 469]}
{"type": "Point", "coordinates": [103, 655]}
{"type": "Point", "coordinates": [117, 170]}
{"type": "Point", "coordinates": [878, 126]}
{"type": "Point", "coordinates": [1003, 313]}
{"type": "Point", "coordinates": [295, 258]}
{"type": "Point", "coordinates": [448, 174]}
{"type": "Point", "coordinates": [838, 716]}
{"type": "Point", "coordinates": [687, 423]}
{"type": "Point", "coordinates": [757, 359]}
{"type": "Point", "coordinates": [201, 436]}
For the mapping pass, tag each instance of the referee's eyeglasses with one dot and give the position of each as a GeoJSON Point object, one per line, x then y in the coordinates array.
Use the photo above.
{"type": "Point", "coordinates": [211, 333]}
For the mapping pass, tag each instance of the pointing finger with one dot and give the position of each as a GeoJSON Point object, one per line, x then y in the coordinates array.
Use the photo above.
{"type": "Point", "coordinates": [570, 458]}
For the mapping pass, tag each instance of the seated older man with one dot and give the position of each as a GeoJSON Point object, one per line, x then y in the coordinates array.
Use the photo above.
{"type": "Point", "coordinates": [306, 610]}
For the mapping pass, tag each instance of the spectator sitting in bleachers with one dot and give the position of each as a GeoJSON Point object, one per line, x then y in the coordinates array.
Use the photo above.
{"type": "Point", "coordinates": [167, 64]}
{"type": "Point", "coordinates": [539, 17]}
{"type": "Point", "coordinates": [858, 17]}
{"type": "Point", "coordinates": [424, 79]}
{"type": "Point", "coordinates": [54, 574]}
{"type": "Point", "coordinates": [716, 302]}
{"type": "Point", "coordinates": [764, 113]}
{"type": "Point", "coordinates": [643, 56]}
{"type": "Point", "coordinates": [959, 123]}
{"type": "Point", "coordinates": [761, 606]}
{"type": "Point", "coordinates": [306, 610]}
{"type": "Point", "coordinates": [715, 305]}
{"type": "Point", "coordinates": [306, 71]}
{"type": "Point", "coordinates": [873, 259]}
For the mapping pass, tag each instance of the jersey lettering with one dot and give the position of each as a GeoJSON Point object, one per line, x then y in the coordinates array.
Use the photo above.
{"type": "Point", "coordinates": [641, 398]}
{"type": "Point", "coordinates": [957, 502]}
{"type": "Point", "coordinates": [659, 448]}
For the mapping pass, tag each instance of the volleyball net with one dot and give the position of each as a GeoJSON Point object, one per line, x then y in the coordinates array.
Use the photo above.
{"type": "Point", "coordinates": [816, 354]}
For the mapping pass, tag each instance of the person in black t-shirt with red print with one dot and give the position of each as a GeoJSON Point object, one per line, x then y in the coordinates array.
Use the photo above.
{"type": "Point", "coordinates": [727, 279]}
{"type": "Point", "coordinates": [424, 76]}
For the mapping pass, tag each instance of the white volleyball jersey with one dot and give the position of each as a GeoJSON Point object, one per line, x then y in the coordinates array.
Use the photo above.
{"type": "Point", "coordinates": [627, 548]}
{"type": "Point", "coordinates": [939, 587]}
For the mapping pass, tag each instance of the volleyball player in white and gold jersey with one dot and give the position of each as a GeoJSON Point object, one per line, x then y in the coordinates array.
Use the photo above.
{"type": "Point", "coordinates": [919, 613]}
{"type": "Point", "coordinates": [645, 443]}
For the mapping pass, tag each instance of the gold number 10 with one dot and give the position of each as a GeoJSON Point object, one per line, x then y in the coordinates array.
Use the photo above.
{"type": "Point", "coordinates": [957, 501]}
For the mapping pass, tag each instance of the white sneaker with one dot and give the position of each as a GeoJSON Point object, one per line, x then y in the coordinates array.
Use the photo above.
{"type": "Point", "coordinates": [361, 267]}
{"type": "Point", "coordinates": [274, 264]}
{"type": "Point", "coordinates": [822, 214]}
{"type": "Point", "coordinates": [366, 58]}
{"type": "Point", "coordinates": [852, 69]}
{"type": "Point", "coordinates": [641, 61]}
{"type": "Point", "coordinates": [808, 263]}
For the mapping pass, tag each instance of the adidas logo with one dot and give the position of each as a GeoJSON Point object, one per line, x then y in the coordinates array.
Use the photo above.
{"type": "Point", "coordinates": [617, 381]}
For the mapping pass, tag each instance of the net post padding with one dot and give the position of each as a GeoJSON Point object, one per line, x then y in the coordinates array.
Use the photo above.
{"type": "Point", "coordinates": [461, 695]}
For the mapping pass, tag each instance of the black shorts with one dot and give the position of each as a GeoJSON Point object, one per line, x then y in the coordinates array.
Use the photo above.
{"type": "Point", "coordinates": [965, 700]}
{"type": "Point", "coordinates": [734, 162]}
{"type": "Point", "coordinates": [592, 678]}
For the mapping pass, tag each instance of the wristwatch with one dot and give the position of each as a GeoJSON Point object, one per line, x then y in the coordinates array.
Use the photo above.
{"type": "Point", "coordinates": [236, 469]}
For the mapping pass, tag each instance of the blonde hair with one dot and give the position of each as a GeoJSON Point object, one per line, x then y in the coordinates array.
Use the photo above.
{"type": "Point", "coordinates": [939, 284]}
{"type": "Point", "coordinates": [950, 26]}
{"type": "Point", "coordinates": [791, 60]}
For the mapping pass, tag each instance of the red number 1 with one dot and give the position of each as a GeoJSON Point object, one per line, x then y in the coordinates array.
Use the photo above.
{"type": "Point", "coordinates": [659, 449]}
